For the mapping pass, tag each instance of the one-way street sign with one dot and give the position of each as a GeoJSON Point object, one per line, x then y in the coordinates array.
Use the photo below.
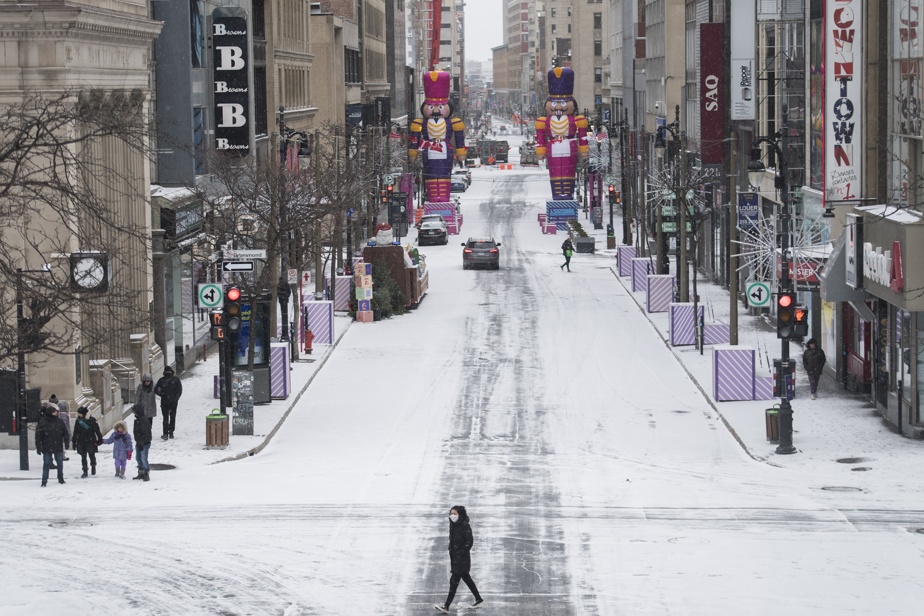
{"type": "Point", "coordinates": [237, 266]}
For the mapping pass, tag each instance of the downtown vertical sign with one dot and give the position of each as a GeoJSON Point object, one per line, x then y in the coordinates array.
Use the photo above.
{"type": "Point", "coordinates": [712, 92]}
{"type": "Point", "coordinates": [231, 80]}
{"type": "Point", "coordinates": [843, 99]}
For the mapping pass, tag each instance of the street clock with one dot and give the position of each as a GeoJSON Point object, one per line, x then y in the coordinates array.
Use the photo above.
{"type": "Point", "coordinates": [90, 272]}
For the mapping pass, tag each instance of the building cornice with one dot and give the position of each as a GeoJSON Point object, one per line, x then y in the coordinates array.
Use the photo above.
{"type": "Point", "coordinates": [65, 22]}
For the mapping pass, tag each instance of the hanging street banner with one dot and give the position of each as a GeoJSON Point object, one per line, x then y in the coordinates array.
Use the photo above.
{"type": "Point", "coordinates": [231, 80]}
{"type": "Point", "coordinates": [712, 92]}
{"type": "Point", "coordinates": [843, 99]}
{"type": "Point", "coordinates": [748, 212]}
{"type": "Point", "coordinates": [742, 46]}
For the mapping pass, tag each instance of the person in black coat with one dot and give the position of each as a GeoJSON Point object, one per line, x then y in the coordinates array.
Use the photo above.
{"type": "Point", "coordinates": [87, 438]}
{"type": "Point", "coordinates": [143, 438]}
{"type": "Point", "coordinates": [567, 249]}
{"type": "Point", "coordinates": [169, 388]}
{"type": "Point", "coordinates": [813, 360]}
{"type": "Point", "coordinates": [50, 442]}
{"type": "Point", "coordinates": [460, 546]}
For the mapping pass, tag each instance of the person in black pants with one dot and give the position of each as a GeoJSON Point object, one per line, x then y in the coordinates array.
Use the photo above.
{"type": "Point", "coordinates": [567, 249]}
{"type": "Point", "coordinates": [169, 388]}
{"type": "Point", "coordinates": [460, 546]}
{"type": "Point", "coordinates": [51, 442]}
{"type": "Point", "coordinates": [87, 438]}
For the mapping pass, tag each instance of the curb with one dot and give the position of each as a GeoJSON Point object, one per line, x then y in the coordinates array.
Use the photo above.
{"type": "Point", "coordinates": [255, 450]}
{"type": "Point", "coordinates": [705, 395]}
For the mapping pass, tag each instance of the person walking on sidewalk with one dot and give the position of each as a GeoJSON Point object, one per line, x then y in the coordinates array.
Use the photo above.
{"type": "Point", "coordinates": [460, 546]}
{"type": "Point", "coordinates": [567, 249]}
{"type": "Point", "coordinates": [144, 395]}
{"type": "Point", "coordinates": [50, 442]}
{"type": "Point", "coordinates": [121, 442]}
{"type": "Point", "coordinates": [87, 439]}
{"type": "Point", "coordinates": [813, 360]}
{"type": "Point", "coordinates": [64, 415]}
{"type": "Point", "coordinates": [169, 388]}
{"type": "Point", "coordinates": [143, 438]}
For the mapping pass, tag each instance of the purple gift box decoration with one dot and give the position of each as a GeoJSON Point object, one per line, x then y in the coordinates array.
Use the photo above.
{"type": "Point", "coordinates": [641, 267]}
{"type": "Point", "coordinates": [716, 333]}
{"type": "Point", "coordinates": [319, 318]}
{"type": "Point", "coordinates": [732, 373]}
{"type": "Point", "coordinates": [763, 388]}
{"type": "Point", "coordinates": [624, 256]}
{"type": "Point", "coordinates": [660, 292]}
{"type": "Point", "coordinates": [682, 327]}
{"type": "Point", "coordinates": [280, 385]}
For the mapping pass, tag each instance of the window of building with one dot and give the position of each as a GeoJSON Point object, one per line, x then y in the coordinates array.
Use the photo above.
{"type": "Point", "coordinates": [199, 144]}
{"type": "Point", "coordinates": [598, 21]}
{"type": "Point", "coordinates": [554, 28]}
{"type": "Point", "coordinates": [553, 12]}
{"type": "Point", "coordinates": [569, 28]}
{"type": "Point", "coordinates": [197, 35]}
{"type": "Point", "coordinates": [598, 48]}
{"type": "Point", "coordinates": [598, 75]}
{"type": "Point", "coordinates": [351, 66]}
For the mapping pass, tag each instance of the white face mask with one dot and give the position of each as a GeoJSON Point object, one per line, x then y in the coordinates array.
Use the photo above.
{"type": "Point", "coordinates": [454, 517]}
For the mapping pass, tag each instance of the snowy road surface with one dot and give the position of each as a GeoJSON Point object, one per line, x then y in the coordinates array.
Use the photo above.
{"type": "Point", "coordinates": [598, 479]}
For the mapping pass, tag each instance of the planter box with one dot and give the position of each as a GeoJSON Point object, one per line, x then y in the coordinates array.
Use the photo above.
{"type": "Point", "coordinates": [585, 244]}
{"type": "Point", "coordinates": [660, 292]}
{"type": "Point", "coordinates": [732, 373]}
{"type": "Point", "coordinates": [682, 327]}
{"type": "Point", "coordinates": [641, 267]}
{"type": "Point", "coordinates": [624, 256]}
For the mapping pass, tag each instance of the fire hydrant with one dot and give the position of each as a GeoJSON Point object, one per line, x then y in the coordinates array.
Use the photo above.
{"type": "Point", "coordinates": [309, 338]}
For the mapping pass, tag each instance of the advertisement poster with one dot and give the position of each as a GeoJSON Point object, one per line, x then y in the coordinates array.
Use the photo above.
{"type": "Point", "coordinates": [743, 44]}
{"type": "Point", "coordinates": [843, 99]}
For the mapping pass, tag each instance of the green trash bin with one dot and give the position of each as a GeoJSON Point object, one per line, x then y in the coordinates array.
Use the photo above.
{"type": "Point", "coordinates": [772, 416]}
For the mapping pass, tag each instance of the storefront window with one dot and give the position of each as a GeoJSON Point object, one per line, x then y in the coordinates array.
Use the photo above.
{"type": "Point", "coordinates": [903, 341]}
{"type": "Point", "coordinates": [920, 370]}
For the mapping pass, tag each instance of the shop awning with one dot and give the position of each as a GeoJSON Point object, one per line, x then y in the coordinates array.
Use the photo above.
{"type": "Point", "coordinates": [833, 278]}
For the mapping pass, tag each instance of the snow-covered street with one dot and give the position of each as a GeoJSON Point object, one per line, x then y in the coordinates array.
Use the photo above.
{"type": "Point", "coordinates": [598, 477]}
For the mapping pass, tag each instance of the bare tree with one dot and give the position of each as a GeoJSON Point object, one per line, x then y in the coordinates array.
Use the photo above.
{"type": "Point", "coordinates": [73, 177]}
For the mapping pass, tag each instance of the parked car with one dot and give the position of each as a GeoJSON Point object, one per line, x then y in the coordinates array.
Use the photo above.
{"type": "Point", "coordinates": [463, 174]}
{"type": "Point", "coordinates": [458, 185]}
{"type": "Point", "coordinates": [430, 218]}
{"type": "Point", "coordinates": [481, 252]}
{"type": "Point", "coordinates": [433, 232]}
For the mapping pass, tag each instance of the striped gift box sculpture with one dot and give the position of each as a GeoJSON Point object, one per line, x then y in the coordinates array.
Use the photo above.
{"type": "Point", "coordinates": [682, 327]}
{"type": "Point", "coordinates": [660, 292]}
{"type": "Point", "coordinates": [342, 292]}
{"type": "Point", "coordinates": [560, 212]}
{"type": "Point", "coordinates": [319, 318]}
{"type": "Point", "coordinates": [732, 373]}
{"type": "Point", "coordinates": [624, 256]}
{"type": "Point", "coordinates": [641, 267]}
{"type": "Point", "coordinates": [280, 385]}
{"type": "Point", "coordinates": [716, 333]}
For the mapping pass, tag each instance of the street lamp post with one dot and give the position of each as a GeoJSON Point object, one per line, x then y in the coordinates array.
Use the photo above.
{"type": "Point", "coordinates": [680, 199]}
{"type": "Point", "coordinates": [282, 287]}
{"type": "Point", "coordinates": [756, 170]}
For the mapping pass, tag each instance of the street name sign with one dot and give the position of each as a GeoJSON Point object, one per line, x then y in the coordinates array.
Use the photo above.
{"type": "Point", "coordinates": [245, 254]}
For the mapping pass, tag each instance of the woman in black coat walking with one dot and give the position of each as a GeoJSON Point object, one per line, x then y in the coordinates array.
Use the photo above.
{"type": "Point", "coordinates": [87, 439]}
{"type": "Point", "coordinates": [813, 360]}
{"type": "Point", "coordinates": [460, 546]}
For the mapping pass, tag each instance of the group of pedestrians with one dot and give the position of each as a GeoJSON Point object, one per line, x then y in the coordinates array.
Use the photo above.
{"type": "Point", "coordinates": [53, 433]}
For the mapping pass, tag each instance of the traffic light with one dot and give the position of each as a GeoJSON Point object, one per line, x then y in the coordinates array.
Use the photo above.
{"type": "Point", "coordinates": [785, 315]}
{"type": "Point", "coordinates": [801, 326]}
{"type": "Point", "coordinates": [613, 195]}
{"type": "Point", "coordinates": [231, 315]}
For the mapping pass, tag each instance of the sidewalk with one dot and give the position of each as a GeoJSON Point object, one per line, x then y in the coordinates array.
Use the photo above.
{"type": "Point", "coordinates": [198, 401]}
{"type": "Point", "coordinates": [837, 425]}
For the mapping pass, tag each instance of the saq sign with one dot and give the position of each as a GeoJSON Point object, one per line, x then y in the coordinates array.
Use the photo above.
{"type": "Point", "coordinates": [231, 78]}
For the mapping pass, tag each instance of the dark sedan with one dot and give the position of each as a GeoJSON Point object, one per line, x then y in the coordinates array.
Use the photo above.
{"type": "Point", "coordinates": [432, 232]}
{"type": "Point", "coordinates": [457, 185]}
{"type": "Point", "coordinates": [481, 252]}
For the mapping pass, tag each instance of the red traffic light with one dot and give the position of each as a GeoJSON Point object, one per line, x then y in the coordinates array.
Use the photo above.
{"type": "Point", "coordinates": [612, 189]}
{"type": "Point", "coordinates": [390, 188]}
{"type": "Point", "coordinates": [785, 300]}
{"type": "Point", "coordinates": [233, 294]}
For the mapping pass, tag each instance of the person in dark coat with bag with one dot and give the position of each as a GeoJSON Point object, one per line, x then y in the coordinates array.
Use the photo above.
{"type": "Point", "coordinates": [813, 360]}
{"type": "Point", "coordinates": [87, 439]}
{"type": "Point", "coordinates": [143, 438]}
{"type": "Point", "coordinates": [144, 395]}
{"type": "Point", "coordinates": [50, 442]}
{"type": "Point", "coordinates": [169, 388]}
{"type": "Point", "coordinates": [460, 546]}
{"type": "Point", "coordinates": [567, 249]}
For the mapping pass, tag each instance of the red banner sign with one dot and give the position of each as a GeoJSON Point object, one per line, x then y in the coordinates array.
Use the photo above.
{"type": "Point", "coordinates": [712, 92]}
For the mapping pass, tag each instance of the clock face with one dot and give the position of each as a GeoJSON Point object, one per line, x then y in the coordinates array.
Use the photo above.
{"type": "Point", "coordinates": [89, 273]}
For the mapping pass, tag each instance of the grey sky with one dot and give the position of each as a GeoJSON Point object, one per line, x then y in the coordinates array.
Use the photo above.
{"type": "Point", "coordinates": [483, 28]}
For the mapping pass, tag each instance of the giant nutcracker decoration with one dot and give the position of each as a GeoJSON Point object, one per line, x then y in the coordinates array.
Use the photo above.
{"type": "Point", "coordinates": [561, 136]}
{"type": "Point", "coordinates": [437, 138]}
